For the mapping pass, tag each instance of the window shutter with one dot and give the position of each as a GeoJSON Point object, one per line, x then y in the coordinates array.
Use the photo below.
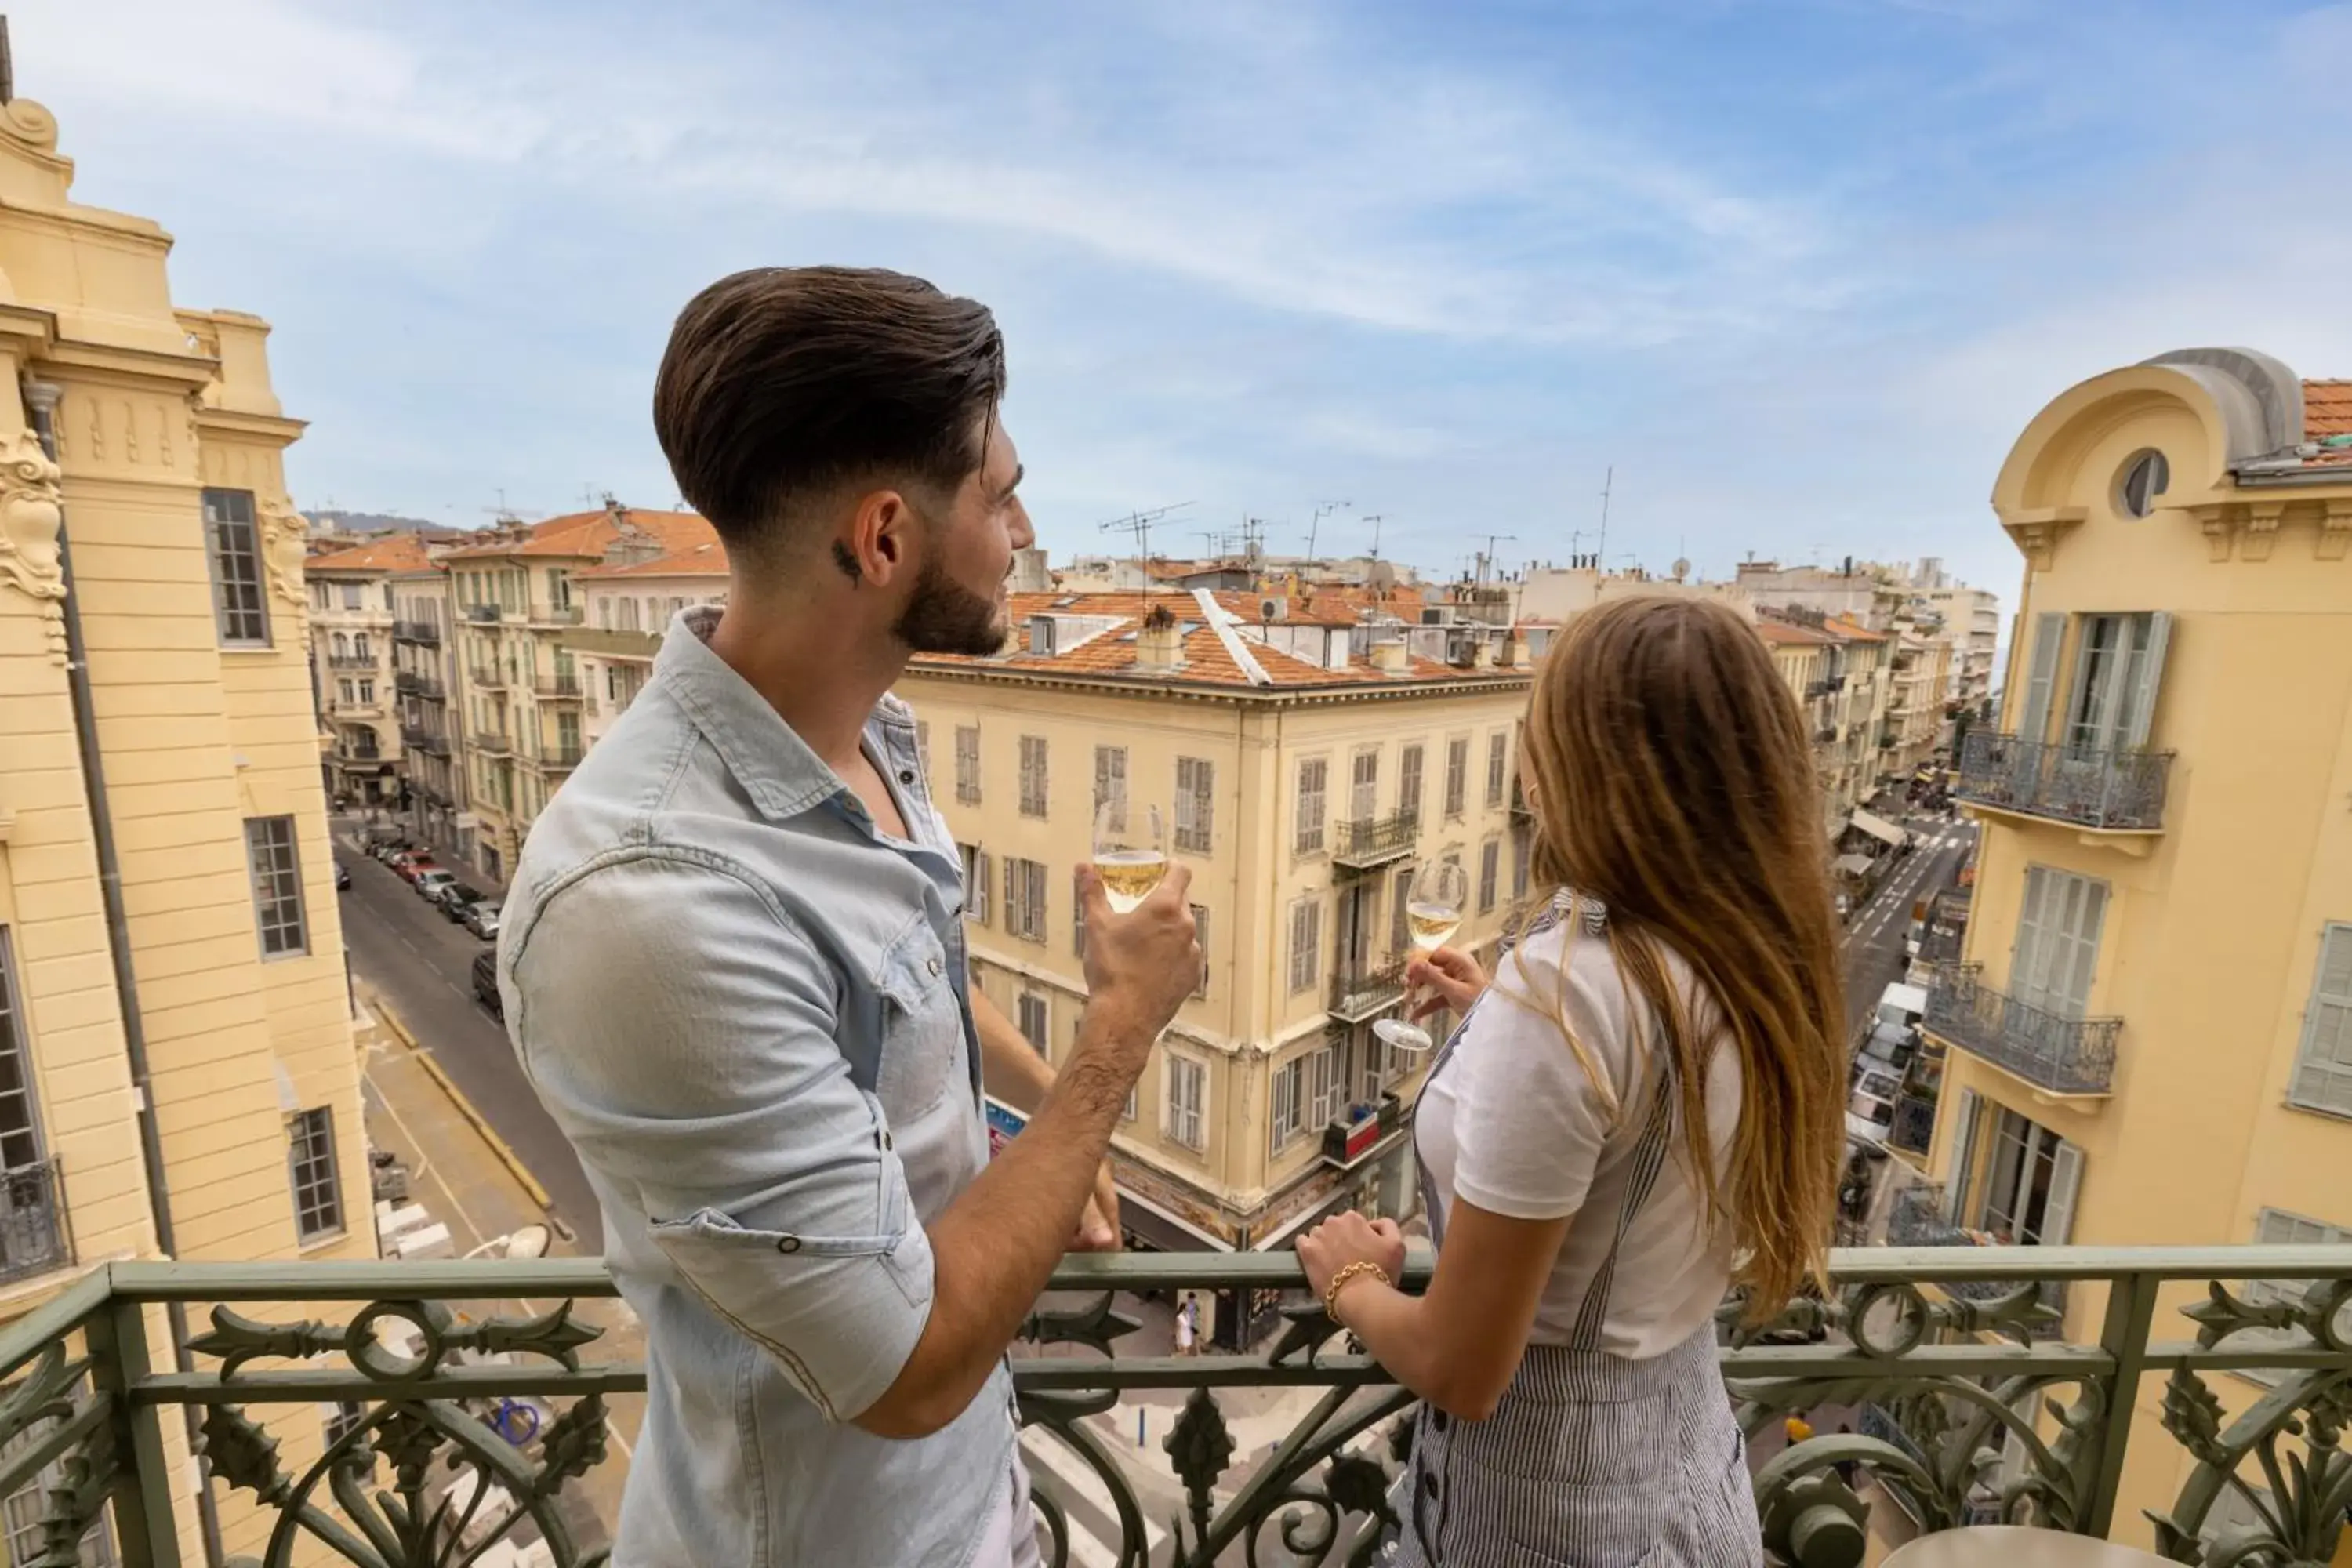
{"type": "Point", "coordinates": [2323, 1074]}
{"type": "Point", "coordinates": [2048, 631]}
{"type": "Point", "coordinates": [2141, 713]}
{"type": "Point", "coordinates": [1015, 923]}
{"type": "Point", "coordinates": [2065, 1184]}
{"type": "Point", "coordinates": [2029, 955]}
{"type": "Point", "coordinates": [1964, 1154]}
{"type": "Point", "coordinates": [1200, 936]}
{"type": "Point", "coordinates": [1036, 899]}
{"type": "Point", "coordinates": [981, 885]}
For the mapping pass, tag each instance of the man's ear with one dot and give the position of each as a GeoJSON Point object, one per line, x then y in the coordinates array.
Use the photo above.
{"type": "Point", "coordinates": [875, 544]}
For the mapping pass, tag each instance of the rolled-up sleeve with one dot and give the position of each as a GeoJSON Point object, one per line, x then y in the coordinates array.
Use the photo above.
{"type": "Point", "coordinates": [680, 1028]}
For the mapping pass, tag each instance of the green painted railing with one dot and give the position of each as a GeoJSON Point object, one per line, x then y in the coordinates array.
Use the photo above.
{"type": "Point", "coordinates": [1967, 1409]}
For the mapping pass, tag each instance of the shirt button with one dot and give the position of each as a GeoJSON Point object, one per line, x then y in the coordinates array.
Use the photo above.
{"type": "Point", "coordinates": [905, 775]}
{"type": "Point", "coordinates": [1437, 1420]}
{"type": "Point", "coordinates": [934, 966]}
{"type": "Point", "coordinates": [788, 1244]}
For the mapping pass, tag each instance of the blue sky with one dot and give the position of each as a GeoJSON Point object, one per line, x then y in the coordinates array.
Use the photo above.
{"type": "Point", "coordinates": [1799, 271]}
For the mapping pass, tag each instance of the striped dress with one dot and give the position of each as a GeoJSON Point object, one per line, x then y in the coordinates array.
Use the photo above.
{"type": "Point", "coordinates": [1590, 1459]}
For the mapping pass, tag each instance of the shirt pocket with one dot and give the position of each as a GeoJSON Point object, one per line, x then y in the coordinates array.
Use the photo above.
{"type": "Point", "coordinates": [922, 1023]}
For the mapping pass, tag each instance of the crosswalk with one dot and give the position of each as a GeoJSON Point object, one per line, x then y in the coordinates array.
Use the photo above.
{"type": "Point", "coordinates": [1924, 870]}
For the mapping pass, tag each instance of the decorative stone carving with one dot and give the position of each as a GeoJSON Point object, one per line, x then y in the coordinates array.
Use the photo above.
{"type": "Point", "coordinates": [2335, 531]}
{"type": "Point", "coordinates": [31, 515]}
{"type": "Point", "coordinates": [284, 534]}
{"type": "Point", "coordinates": [24, 121]}
{"type": "Point", "coordinates": [2036, 532]}
{"type": "Point", "coordinates": [2220, 524]}
{"type": "Point", "coordinates": [2261, 531]}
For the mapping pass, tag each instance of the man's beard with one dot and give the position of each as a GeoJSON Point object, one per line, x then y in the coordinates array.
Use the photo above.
{"type": "Point", "coordinates": [944, 617]}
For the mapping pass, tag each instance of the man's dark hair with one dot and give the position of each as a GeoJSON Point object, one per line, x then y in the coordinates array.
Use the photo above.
{"type": "Point", "coordinates": [784, 381]}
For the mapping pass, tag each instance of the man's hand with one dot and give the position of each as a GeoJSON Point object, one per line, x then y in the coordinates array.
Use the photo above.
{"type": "Point", "coordinates": [1099, 1228]}
{"type": "Point", "coordinates": [1142, 964]}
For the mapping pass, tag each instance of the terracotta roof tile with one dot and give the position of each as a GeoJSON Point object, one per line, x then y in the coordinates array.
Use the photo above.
{"type": "Point", "coordinates": [395, 553]}
{"type": "Point", "coordinates": [588, 533]}
{"type": "Point", "coordinates": [2326, 408]}
{"type": "Point", "coordinates": [1781, 634]}
{"type": "Point", "coordinates": [1853, 631]}
{"type": "Point", "coordinates": [705, 559]}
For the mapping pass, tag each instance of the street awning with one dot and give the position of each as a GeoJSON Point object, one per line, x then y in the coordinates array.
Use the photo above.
{"type": "Point", "coordinates": [1851, 865]}
{"type": "Point", "coordinates": [1879, 828]}
{"type": "Point", "coordinates": [1157, 1228]}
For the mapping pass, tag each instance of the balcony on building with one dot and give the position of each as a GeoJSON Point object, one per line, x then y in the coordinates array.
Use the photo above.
{"type": "Point", "coordinates": [1362, 1133]}
{"type": "Point", "coordinates": [426, 634]}
{"type": "Point", "coordinates": [410, 683]}
{"type": "Point", "coordinates": [2057, 1054]}
{"type": "Point", "coordinates": [556, 614]}
{"type": "Point", "coordinates": [1360, 993]}
{"type": "Point", "coordinates": [492, 742]}
{"type": "Point", "coordinates": [488, 615]}
{"type": "Point", "coordinates": [561, 758]}
{"type": "Point", "coordinates": [425, 739]}
{"type": "Point", "coordinates": [489, 678]}
{"type": "Point", "coordinates": [1367, 844]}
{"type": "Point", "coordinates": [351, 662]}
{"type": "Point", "coordinates": [33, 1235]}
{"type": "Point", "coordinates": [557, 688]}
{"type": "Point", "coordinates": [2107, 789]}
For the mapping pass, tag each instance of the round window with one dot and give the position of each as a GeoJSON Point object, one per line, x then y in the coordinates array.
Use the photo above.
{"type": "Point", "coordinates": [2144, 478]}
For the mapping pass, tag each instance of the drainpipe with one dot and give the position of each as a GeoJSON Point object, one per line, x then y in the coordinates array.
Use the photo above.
{"type": "Point", "coordinates": [41, 399]}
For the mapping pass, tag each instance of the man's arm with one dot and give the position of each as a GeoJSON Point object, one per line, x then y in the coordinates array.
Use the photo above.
{"type": "Point", "coordinates": [1012, 1070]}
{"type": "Point", "coordinates": [997, 1244]}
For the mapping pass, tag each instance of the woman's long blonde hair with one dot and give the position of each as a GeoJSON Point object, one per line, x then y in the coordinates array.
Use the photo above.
{"type": "Point", "coordinates": [1673, 780]}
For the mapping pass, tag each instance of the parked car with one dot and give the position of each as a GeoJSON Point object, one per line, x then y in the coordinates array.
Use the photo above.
{"type": "Point", "coordinates": [343, 875]}
{"type": "Point", "coordinates": [481, 918]}
{"type": "Point", "coordinates": [429, 881]}
{"type": "Point", "coordinates": [454, 897]}
{"type": "Point", "coordinates": [413, 863]}
{"type": "Point", "coordinates": [485, 983]}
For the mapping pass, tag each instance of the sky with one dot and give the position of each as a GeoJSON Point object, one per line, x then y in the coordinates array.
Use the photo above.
{"type": "Point", "coordinates": [1792, 275]}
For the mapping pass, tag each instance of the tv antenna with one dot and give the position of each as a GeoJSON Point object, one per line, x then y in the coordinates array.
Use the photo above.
{"type": "Point", "coordinates": [1137, 525]}
{"type": "Point", "coordinates": [1487, 556]}
{"type": "Point", "coordinates": [1322, 510]}
{"type": "Point", "coordinates": [1376, 519]}
{"type": "Point", "coordinates": [1601, 551]}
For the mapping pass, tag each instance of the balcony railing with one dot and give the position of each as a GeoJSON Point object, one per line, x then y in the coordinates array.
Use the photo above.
{"type": "Point", "coordinates": [1915, 1123]}
{"type": "Point", "coordinates": [425, 740]}
{"type": "Point", "coordinates": [486, 678]}
{"type": "Point", "coordinates": [351, 662]}
{"type": "Point", "coordinates": [2049, 1050]}
{"type": "Point", "coordinates": [1370, 842]}
{"type": "Point", "coordinates": [2119, 789]}
{"type": "Point", "coordinates": [490, 615]}
{"type": "Point", "coordinates": [33, 1238]}
{"type": "Point", "coordinates": [1356, 997]}
{"type": "Point", "coordinates": [1349, 1140]}
{"type": "Point", "coordinates": [556, 614]}
{"type": "Point", "coordinates": [492, 742]}
{"type": "Point", "coordinates": [557, 688]}
{"type": "Point", "coordinates": [428, 633]}
{"type": "Point", "coordinates": [412, 684]}
{"type": "Point", "coordinates": [561, 758]}
{"type": "Point", "coordinates": [1948, 1371]}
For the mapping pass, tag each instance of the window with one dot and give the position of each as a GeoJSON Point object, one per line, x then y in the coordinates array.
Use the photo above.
{"type": "Point", "coordinates": [344, 689]}
{"type": "Point", "coordinates": [1025, 900]}
{"type": "Point", "coordinates": [1490, 859]}
{"type": "Point", "coordinates": [1499, 755]}
{"type": "Point", "coordinates": [2118, 659]}
{"type": "Point", "coordinates": [1290, 1089]}
{"type": "Point", "coordinates": [1325, 1092]}
{"type": "Point", "coordinates": [318, 1203]}
{"type": "Point", "coordinates": [360, 646]}
{"type": "Point", "coordinates": [1201, 935]}
{"type": "Point", "coordinates": [341, 647]}
{"type": "Point", "coordinates": [2031, 1179]}
{"type": "Point", "coordinates": [24, 1514]}
{"type": "Point", "coordinates": [1457, 775]}
{"type": "Point", "coordinates": [1400, 933]}
{"type": "Point", "coordinates": [2277, 1227]}
{"type": "Point", "coordinates": [968, 764]}
{"type": "Point", "coordinates": [19, 1144]}
{"type": "Point", "coordinates": [2057, 949]}
{"type": "Point", "coordinates": [343, 1417]}
{"type": "Point", "coordinates": [1037, 1021]}
{"type": "Point", "coordinates": [351, 595]}
{"type": "Point", "coordinates": [2146, 477]}
{"type": "Point", "coordinates": [977, 877]}
{"type": "Point", "coordinates": [1306, 944]}
{"type": "Point", "coordinates": [1188, 1098]}
{"type": "Point", "coordinates": [234, 552]}
{"type": "Point", "coordinates": [277, 885]}
{"type": "Point", "coordinates": [1306, 830]}
{"type": "Point", "coordinates": [1196, 782]}
{"type": "Point", "coordinates": [1409, 784]}
{"type": "Point", "coordinates": [1032, 775]}
{"type": "Point", "coordinates": [1522, 851]}
{"type": "Point", "coordinates": [1307, 1092]}
{"type": "Point", "coordinates": [1110, 774]}
{"type": "Point", "coordinates": [367, 693]}
{"type": "Point", "coordinates": [1364, 787]}
{"type": "Point", "coordinates": [2322, 1069]}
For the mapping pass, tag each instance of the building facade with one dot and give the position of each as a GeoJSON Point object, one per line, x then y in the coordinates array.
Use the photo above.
{"type": "Point", "coordinates": [1306, 765]}
{"type": "Point", "coordinates": [431, 702]}
{"type": "Point", "coordinates": [352, 653]}
{"type": "Point", "coordinates": [628, 604]}
{"type": "Point", "coordinates": [2159, 957]}
{"type": "Point", "coordinates": [175, 1032]}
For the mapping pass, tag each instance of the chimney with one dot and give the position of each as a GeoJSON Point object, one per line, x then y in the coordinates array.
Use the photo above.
{"type": "Point", "coordinates": [1514, 652]}
{"type": "Point", "coordinates": [1390, 658]}
{"type": "Point", "coordinates": [1484, 655]}
{"type": "Point", "coordinates": [1159, 643]}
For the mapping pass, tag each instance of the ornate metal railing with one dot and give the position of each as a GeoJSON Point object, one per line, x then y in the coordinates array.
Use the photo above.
{"type": "Point", "coordinates": [2110, 789]}
{"type": "Point", "coordinates": [426, 633]}
{"type": "Point", "coordinates": [492, 742]}
{"type": "Point", "coordinates": [1915, 1123]}
{"type": "Point", "coordinates": [33, 1237]}
{"type": "Point", "coordinates": [1363, 843]}
{"type": "Point", "coordinates": [2050, 1050]}
{"type": "Point", "coordinates": [1359, 994]}
{"type": "Point", "coordinates": [431, 1461]}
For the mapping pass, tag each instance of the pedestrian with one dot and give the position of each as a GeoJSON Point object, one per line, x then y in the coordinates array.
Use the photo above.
{"type": "Point", "coordinates": [734, 967]}
{"type": "Point", "coordinates": [1188, 1325]}
{"type": "Point", "coordinates": [1643, 1108]}
{"type": "Point", "coordinates": [1848, 1470]}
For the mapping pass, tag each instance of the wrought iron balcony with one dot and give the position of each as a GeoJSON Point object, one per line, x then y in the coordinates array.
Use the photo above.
{"type": "Point", "coordinates": [351, 662]}
{"type": "Point", "coordinates": [33, 1238]}
{"type": "Point", "coordinates": [556, 614]}
{"type": "Point", "coordinates": [1351, 1139]}
{"type": "Point", "coordinates": [561, 758]}
{"type": "Point", "coordinates": [492, 742]}
{"type": "Point", "coordinates": [425, 740]}
{"type": "Point", "coordinates": [90, 1386]}
{"type": "Point", "coordinates": [2121, 789]}
{"type": "Point", "coordinates": [1915, 1123]}
{"type": "Point", "coordinates": [1356, 995]}
{"type": "Point", "coordinates": [1368, 843]}
{"type": "Point", "coordinates": [425, 633]}
{"type": "Point", "coordinates": [557, 688]}
{"type": "Point", "coordinates": [488, 678]}
{"type": "Point", "coordinates": [490, 615]}
{"type": "Point", "coordinates": [2049, 1050]}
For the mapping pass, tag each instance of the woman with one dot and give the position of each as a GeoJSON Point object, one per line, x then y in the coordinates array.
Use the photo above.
{"type": "Point", "coordinates": [1642, 1112]}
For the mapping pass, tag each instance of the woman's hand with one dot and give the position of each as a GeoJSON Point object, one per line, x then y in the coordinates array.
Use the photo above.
{"type": "Point", "coordinates": [1452, 978]}
{"type": "Point", "coordinates": [1348, 1239]}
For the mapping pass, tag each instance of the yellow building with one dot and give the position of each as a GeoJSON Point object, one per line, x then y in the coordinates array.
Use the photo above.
{"type": "Point", "coordinates": [2151, 1038]}
{"type": "Point", "coordinates": [520, 693]}
{"type": "Point", "coordinates": [174, 1027]}
{"type": "Point", "coordinates": [627, 603]}
{"type": "Point", "coordinates": [1307, 761]}
{"type": "Point", "coordinates": [352, 639]}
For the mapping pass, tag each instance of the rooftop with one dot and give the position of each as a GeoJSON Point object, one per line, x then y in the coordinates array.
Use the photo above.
{"type": "Point", "coordinates": [590, 533]}
{"type": "Point", "coordinates": [393, 552]}
{"type": "Point", "coordinates": [2327, 413]}
{"type": "Point", "coordinates": [1782, 634]}
{"type": "Point", "coordinates": [708, 559]}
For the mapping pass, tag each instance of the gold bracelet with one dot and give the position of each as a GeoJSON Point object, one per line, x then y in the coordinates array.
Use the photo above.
{"type": "Point", "coordinates": [1348, 1276]}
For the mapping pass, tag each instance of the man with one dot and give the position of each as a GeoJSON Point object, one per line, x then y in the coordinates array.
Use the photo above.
{"type": "Point", "coordinates": [734, 966]}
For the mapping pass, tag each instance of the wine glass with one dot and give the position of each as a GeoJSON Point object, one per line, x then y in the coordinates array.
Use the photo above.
{"type": "Point", "coordinates": [1433, 912]}
{"type": "Point", "coordinates": [1130, 851]}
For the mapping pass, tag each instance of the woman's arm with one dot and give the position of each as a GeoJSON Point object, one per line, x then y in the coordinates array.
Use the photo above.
{"type": "Point", "coordinates": [1458, 1346]}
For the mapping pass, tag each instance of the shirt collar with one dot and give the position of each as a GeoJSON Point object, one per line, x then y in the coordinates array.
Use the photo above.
{"type": "Point", "coordinates": [775, 766]}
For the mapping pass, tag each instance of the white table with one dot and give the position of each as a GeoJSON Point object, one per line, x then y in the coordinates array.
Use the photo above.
{"type": "Point", "coordinates": [2014, 1546]}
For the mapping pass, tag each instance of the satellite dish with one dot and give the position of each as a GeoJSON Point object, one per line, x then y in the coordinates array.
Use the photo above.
{"type": "Point", "coordinates": [1382, 577]}
{"type": "Point", "coordinates": [1681, 568]}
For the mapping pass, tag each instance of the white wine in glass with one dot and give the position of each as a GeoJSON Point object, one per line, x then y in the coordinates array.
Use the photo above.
{"type": "Point", "coordinates": [1130, 851]}
{"type": "Point", "coordinates": [1433, 913]}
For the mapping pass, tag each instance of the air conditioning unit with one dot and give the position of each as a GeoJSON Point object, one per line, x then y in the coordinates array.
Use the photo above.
{"type": "Point", "coordinates": [1272, 610]}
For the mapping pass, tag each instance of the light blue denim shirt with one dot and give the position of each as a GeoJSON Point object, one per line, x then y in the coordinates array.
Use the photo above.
{"type": "Point", "coordinates": [745, 1004]}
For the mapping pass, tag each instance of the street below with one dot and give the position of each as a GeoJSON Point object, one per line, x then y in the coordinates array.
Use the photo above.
{"type": "Point", "coordinates": [1874, 940]}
